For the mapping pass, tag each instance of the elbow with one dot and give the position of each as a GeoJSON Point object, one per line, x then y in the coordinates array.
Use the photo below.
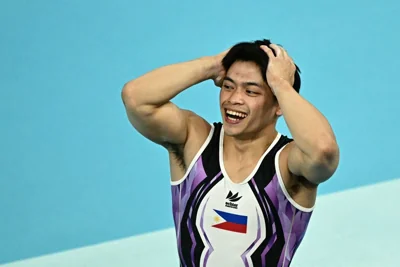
{"type": "Point", "coordinates": [328, 150]}
{"type": "Point", "coordinates": [128, 95]}
{"type": "Point", "coordinates": [133, 102]}
{"type": "Point", "coordinates": [326, 160]}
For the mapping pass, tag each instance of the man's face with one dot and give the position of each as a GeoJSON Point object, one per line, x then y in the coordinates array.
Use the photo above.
{"type": "Point", "coordinates": [246, 101]}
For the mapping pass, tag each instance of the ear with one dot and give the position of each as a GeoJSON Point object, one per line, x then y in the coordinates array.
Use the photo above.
{"type": "Point", "coordinates": [278, 111]}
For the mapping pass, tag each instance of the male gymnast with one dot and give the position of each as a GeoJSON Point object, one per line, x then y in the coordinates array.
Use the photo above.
{"type": "Point", "coordinates": [243, 193]}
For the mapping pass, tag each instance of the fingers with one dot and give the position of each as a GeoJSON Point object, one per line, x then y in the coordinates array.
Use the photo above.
{"type": "Point", "coordinates": [267, 50]}
{"type": "Point", "coordinates": [279, 51]}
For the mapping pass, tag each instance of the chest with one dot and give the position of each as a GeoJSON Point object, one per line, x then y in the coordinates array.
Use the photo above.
{"type": "Point", "coordinates": [231, 213]}
{"type": "Point", "coordinates": [239, 172]}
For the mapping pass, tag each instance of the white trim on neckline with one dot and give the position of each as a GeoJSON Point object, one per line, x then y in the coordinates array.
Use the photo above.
{"type": "Point", "coordinates": [251, 175]}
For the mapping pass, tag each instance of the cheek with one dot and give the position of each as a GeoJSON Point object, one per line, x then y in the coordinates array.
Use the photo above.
{"type": "Point", "coordinates": [222, 97]}
{"type": "Point", "coordinates": [262, 112]}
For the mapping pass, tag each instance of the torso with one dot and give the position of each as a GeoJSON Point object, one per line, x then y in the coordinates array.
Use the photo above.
{"type": "Point", "coordinates": [245, 219]}
{"type": "Point", "coordinates": [238, 171]}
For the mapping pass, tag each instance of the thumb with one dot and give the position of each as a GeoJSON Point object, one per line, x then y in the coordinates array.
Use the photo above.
{"type": "Point", "coordinates": [220, 79]}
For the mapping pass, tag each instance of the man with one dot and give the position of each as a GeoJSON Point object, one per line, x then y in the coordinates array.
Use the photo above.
{"type": "Point", "coordinates": [243, 193]}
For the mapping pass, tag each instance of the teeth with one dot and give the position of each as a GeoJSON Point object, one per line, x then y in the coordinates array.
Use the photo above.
{"type": "Point", "coordinates": [235, 113]}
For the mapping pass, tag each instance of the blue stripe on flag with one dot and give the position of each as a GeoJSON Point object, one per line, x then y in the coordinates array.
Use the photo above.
{"type": "Point", "coordinates": [233, 218]}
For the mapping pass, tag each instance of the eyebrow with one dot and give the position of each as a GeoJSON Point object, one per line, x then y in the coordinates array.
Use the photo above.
{"type": "Point", "coordinates": [245, 83]}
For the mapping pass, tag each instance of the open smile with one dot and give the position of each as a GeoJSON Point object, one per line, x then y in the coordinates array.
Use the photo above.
{"type": "Point", "coordinates": [233, 116]}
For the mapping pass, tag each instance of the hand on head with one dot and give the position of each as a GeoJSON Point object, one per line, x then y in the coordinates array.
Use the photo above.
{"type": "Point", "coordinates": [280, 67]}
{"type": "Point", "coordinates": [220, 72]}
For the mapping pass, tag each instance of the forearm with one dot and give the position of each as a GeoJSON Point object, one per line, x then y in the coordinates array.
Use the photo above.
{"type": "Point", "coordinates": [310, 129]}
{"type": "Point", "coordinates": [161, 85]}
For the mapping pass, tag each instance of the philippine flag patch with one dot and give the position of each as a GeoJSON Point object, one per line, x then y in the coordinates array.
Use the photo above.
{"type": "Point", "coordinates": [230, 222]}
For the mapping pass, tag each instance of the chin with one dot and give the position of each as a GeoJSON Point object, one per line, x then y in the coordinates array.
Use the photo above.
{"type": "Point", "coordinates": [234, 129]}
{"type": "Point", "coordinates": [229, 131]}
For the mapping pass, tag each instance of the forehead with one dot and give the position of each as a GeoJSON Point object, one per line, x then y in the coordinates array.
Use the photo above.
{"type": "Point", "coordinates": [242, 71]}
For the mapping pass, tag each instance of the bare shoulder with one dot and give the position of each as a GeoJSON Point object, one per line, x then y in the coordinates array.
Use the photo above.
{"type": "Point", "coordinates": [198, 132]}
{"type": "Point", "coordinates": [181, 156]}
{"type": "Point", "coordinates": [302, 191]}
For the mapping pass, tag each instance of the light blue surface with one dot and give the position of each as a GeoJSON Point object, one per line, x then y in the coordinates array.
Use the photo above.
{"type": "Point", "coordinates": [339, 226]}
{"type": "Point", "coordinates": [73, 171]}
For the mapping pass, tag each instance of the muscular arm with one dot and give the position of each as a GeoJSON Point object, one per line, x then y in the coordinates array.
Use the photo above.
{"type": "Point", "coordinates": [148, 105]}
{"type": "Point", "coordinates": [314, 154]}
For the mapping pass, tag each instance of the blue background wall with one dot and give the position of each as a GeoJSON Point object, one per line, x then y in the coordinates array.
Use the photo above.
{"type": "Point", "coordinates": [73, 172]}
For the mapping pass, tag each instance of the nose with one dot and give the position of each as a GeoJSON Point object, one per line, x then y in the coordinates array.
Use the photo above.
{"type": "Point", "coordinates": [236, 97]}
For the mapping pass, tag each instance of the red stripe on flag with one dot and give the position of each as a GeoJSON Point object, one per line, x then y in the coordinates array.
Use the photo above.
{"type": "Point", "coordinates": [234, 227]}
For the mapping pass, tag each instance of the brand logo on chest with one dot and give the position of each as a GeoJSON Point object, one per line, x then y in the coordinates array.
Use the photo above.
{"type": "Point", "coordinates": [232, 200]}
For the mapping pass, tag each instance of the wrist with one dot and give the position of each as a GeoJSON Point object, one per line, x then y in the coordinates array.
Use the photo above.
{"type": "Point", "coordinates": [211, 67]}
{"type": "Point", "coordinates": [278, 85]}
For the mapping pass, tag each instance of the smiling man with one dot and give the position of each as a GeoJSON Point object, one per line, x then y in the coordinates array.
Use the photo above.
{"type": "Point", "coordinates": [243, 193]}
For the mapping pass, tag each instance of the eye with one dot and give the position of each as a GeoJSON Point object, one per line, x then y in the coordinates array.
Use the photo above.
{"type": "Point", "coordinates": [227, 87]}
{"type": "Point", "coordinates": [250, 92]}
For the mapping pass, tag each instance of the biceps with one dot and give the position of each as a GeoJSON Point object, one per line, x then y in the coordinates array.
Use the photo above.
{"type": "Point", "coordinates": [165, 124]}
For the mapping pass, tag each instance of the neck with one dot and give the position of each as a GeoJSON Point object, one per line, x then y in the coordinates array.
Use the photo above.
{"type": "Point", "coordinates": [250, 147]}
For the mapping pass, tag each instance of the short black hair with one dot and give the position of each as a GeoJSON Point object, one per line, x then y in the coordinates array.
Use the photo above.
{"type": "Point", "coordinates": [251, 52]}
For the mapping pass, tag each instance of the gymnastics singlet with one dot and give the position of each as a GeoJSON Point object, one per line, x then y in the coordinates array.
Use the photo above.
{"type": "Point", "coordinates": [224, 224]}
